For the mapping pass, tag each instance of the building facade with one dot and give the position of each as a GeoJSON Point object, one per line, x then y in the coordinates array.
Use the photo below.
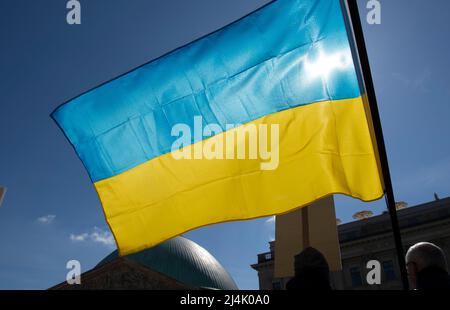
{"type": "Point", "coordinates": [372, 239]}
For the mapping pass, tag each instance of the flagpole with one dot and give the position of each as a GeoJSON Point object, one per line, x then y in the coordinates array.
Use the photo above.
{"type": "Point", "coordinates": [355, 23]}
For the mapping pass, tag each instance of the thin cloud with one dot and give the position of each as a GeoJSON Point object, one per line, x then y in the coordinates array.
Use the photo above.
{"type": "Point", "coordinates": [79, 238]}
{"type": "Point", "coordinates": [102, 236]}
{"type": "Point", "coordinates": [419, 82]}
{"type": "Point", "coordinates": [46, 219]}
{"type": "Point", "coordinates": [96, 235]}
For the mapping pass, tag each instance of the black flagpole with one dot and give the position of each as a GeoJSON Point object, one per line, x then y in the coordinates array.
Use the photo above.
{"type": "Point", "coordinates": [366, 77]}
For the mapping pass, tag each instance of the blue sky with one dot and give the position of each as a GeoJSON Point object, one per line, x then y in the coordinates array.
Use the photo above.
{"type": "Point", "coordinates": [51, 213]}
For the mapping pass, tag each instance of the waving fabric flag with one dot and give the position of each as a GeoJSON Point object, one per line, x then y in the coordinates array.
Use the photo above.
{"type": "Point", "coordinates": [288, 64]}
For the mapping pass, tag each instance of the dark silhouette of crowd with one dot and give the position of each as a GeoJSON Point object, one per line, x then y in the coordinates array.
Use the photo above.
{"type": "Point", "coordinates": [426, 264]}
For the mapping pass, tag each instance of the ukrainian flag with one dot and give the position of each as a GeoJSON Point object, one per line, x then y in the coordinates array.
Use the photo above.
{"type": "Point", "coordinates": [288, 63]}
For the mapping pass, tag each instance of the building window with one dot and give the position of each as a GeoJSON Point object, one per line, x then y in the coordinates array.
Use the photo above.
{"type": "Point", "coordinates": [276, 286]}
{"type": "Point", "coordinates": [355, 275]}
{"type": "Point", "coordinates": [389, 271]}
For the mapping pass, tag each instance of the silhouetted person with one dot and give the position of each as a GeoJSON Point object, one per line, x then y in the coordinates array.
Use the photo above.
{"type": "Point", "coordinates": [311, 271]}
{"type": "Point", "coordinates": [427, 267]}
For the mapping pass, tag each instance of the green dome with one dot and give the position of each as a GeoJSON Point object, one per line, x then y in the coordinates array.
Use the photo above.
{"type": "Point", "coordinates": [185, 261]}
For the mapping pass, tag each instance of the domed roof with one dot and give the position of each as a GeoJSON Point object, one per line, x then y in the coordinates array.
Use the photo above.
{"type": "Point", "coordinates": [185, 261]}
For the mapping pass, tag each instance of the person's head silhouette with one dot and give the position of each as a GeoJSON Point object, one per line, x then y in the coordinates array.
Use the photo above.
{"type": "Point", "coordinates": [311, 271]}
{"type": "Point", "coordinates": [427, 267]}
